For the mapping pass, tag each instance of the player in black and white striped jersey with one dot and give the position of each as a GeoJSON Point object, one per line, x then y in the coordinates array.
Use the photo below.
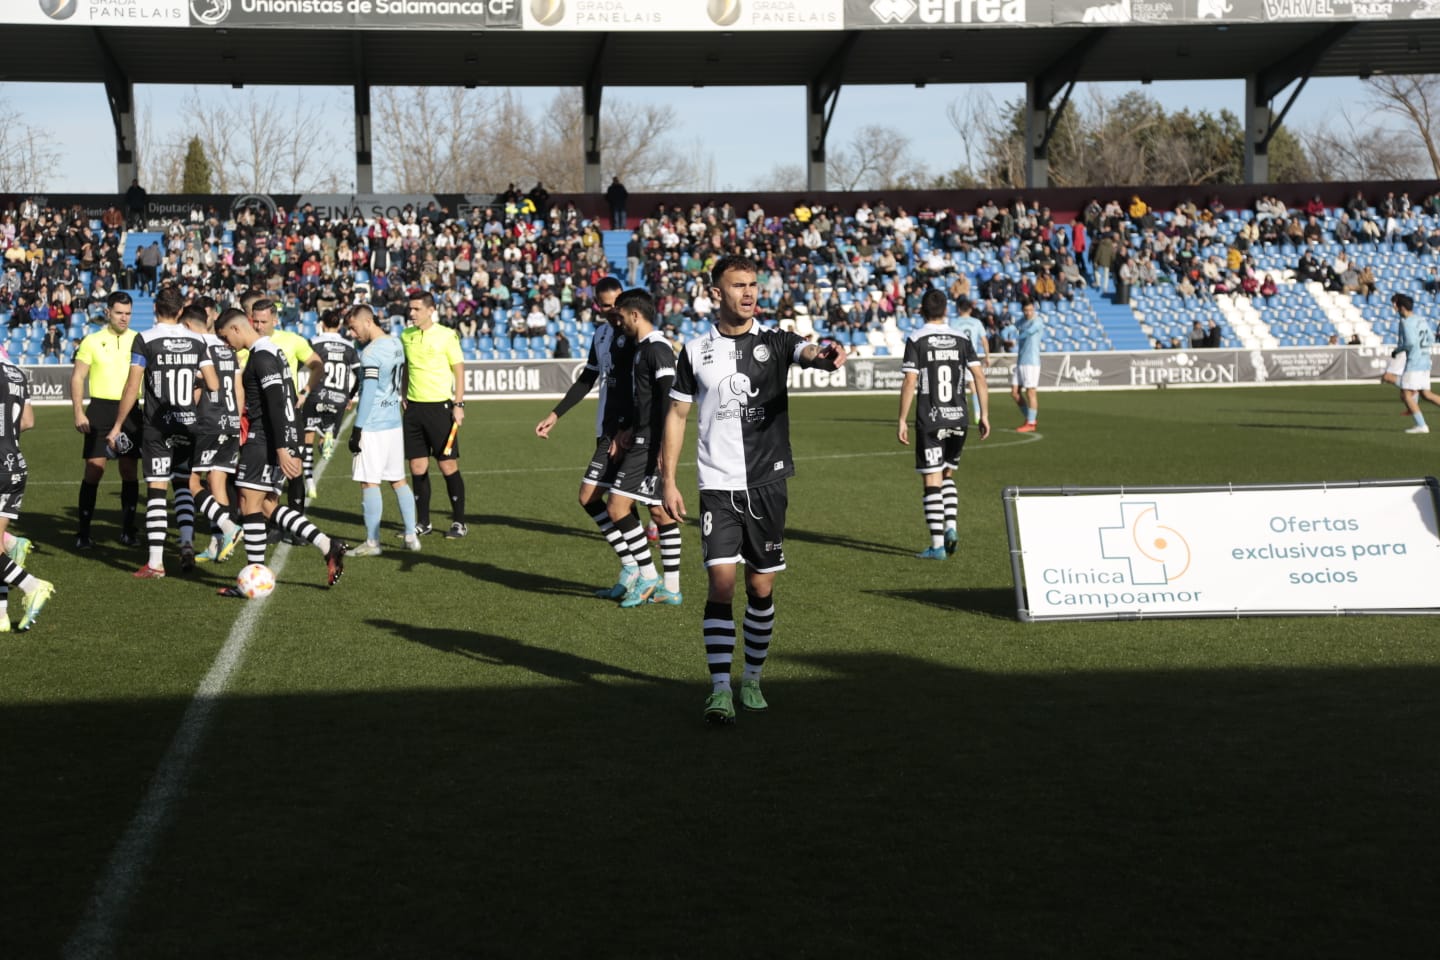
{"type": "Point", "coordinates": [938, 361]}
{"type": "Point", "coordinates": [736, 373]}
{"type": "Point", "coordinates": [340, 381]}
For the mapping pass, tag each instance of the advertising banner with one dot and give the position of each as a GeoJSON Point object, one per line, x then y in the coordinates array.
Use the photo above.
{"type": "Point", "coordinates": [352, 14]}
{"type": "Point", "coordinates": [1131, 553]}
{"type": "Point", "coordinates": [684, 15]}
{"type": "Point", "coordinates": [97, 13]}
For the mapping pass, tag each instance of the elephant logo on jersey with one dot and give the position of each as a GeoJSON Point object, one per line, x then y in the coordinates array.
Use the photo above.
{"type": "Point", "coordinates": [735, 390]}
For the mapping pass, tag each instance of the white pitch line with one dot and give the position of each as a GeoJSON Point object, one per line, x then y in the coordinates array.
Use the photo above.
{"type": "Point", "coordinates": [96, 935]}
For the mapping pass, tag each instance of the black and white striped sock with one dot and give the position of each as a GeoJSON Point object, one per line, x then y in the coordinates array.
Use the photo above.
{"type": "Point", "coordinates": [629, 527]}
{"type": "Point", "coordinates": [670, 555]}
{"type": "Point", "coordinates": [719, 627]}
{"type": "Point", "coordinates": [217, 513]}
{"type": "Point", "coordinates": [952, 502]}
{"type": "Point", "coordinates": [935, 516]}
{"type": "Point", "coordinates": [12, 575]}
{"type": "Point", "coordinates": [295, 523]}
{"type": "Point", "coordinates": [759, 624]}
{"type": "Point", "coordinates": [256, 538]}
{"type": "Point", "coordinates": [309, 460]}
{"type": "Point", "coordinates": [601, 515]}
{"type": "Point", "coordinates": [157, 523]}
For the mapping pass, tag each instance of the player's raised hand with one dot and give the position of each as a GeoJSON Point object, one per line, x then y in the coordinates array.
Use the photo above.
{"type": "Point", "coordinates": [542, 429]}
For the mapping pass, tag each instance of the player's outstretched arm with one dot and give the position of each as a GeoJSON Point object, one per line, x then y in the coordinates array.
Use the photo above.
{"type": "Point", "coordinates": [830, 356]}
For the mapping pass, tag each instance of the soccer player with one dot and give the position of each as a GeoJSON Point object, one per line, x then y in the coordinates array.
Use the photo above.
{"type": "Point", "coordinates": [16, 416]}
{"type": "Point", "coordinates": [434, 411]}
{"type": "Point", "coordinates": [340, 366]}
{"type": "Point", "coordinates": [172, 363]}
{"type": "Point", "coordinates": [270, 453]}
{"type": "Point", "coordinates": [737, 372]}
{"type": "Point", "coordinates": [217, 438]}
{"type": "Point", "coordinates": [1416, 338]}
{"type": "Point", "coordinates": [103, 363]}
{"type": "Point", "coordinates": [637, 477]}
{"type": "Point", "coordinates": [297, 352]}
{"type": "Point", "coordinates": [378, 437]}
{"type": "Point", "coordinates": [937, 361]}
{"type": "Point", "coordinates": [611, 362]}
{"type": "Point", "coordinates": [970, 326]}
{"type": "Point", "coordinates": [1026, 375]}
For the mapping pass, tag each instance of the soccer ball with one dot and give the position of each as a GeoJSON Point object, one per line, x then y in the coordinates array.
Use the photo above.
{"type": "Point", "coordinates": [255, 581]}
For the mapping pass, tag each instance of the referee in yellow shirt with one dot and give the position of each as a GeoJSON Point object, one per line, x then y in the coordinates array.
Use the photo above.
{"type": "Point", "coordinates": [102, 363]}
{"type": "Point", "coordinates": [434, 404]}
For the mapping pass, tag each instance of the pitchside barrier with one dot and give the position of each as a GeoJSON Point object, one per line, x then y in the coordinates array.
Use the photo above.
{"type": "Point", "coordinates": [1130, 553]}
{"type": "Point", "coordinates": [515, 379]}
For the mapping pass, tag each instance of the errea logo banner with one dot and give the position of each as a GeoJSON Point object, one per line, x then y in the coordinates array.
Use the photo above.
{"type": "Point", "coordinates": [1133, 553]}
{"type": "Point", "coordinates": [922, 13]}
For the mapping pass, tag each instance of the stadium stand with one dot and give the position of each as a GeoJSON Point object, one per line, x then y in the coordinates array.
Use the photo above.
{"type": "Point", "coordinates": [515, 276]}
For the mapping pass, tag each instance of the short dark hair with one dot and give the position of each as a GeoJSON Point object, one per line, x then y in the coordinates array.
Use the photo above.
{"type": "Point", "coordinates": [358, 309]}
{"type": "Point", "coordinates": [206, 303]}
{"type": "Point", "coordinates": [194, 314]}
{"type": "Point", "coordinates": [607, 284]}
{"type": "Point", "coordinates": [330, 319]}
{"type": "Point", "coordinates": [1403, 301]}
{"type": "Point", "coordinates": [263, 305]}
{"type": "Point", "coordinates": [249, 299]}
{"type": "Point", "coordinates": [963, 305]}
{"type": "Point", "coordinates": [229, 317]}
{"type": "Point", "coordinates": [639, 299]}
{"type": "Point", "coordinates": [732, 261]}
{"type": "Point", "coordinates": [933, 304]}
{"type": "Point", "coordinates": [118, 297]}
{"type": "Point", "coordinates": [421, 296]}
{"type": "Point", "coordinates": [169, 302]}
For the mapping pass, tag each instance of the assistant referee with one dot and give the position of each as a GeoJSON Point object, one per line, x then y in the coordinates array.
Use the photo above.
{"type": "Point", "coordinates": [434, 404]}
{"type": "Point", "coordinates": [102, 363]}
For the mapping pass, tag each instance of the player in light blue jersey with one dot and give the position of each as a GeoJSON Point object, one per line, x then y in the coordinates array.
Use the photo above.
{"type": "Point", "coordinates": [973, 330]}
{"type": "Point", "coordinates": [1416, 339]}
{"type": "Point", "coordinates": [1030, 332]}
{"type": "Point", "coordinates": [378, 439]}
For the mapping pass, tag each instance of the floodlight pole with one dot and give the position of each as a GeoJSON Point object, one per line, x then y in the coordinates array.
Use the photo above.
{"type": "Point", "coordinates": [593, 93]}
{"type": "Point", "coordinates": [120, 93]}
{"type": "Point", "coordinates": [821, 96]}
{"type": "Point", "coordinates": [364, 158]}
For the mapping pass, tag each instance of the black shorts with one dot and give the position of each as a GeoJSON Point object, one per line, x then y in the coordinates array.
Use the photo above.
{"type": "Point", "coordinates": [216, 451]}
{"type": "Point", "coordinates": [12, 493]}
{"type": "Point", "coordinates": [101, 414]}
{"type": "Point", "coordinates": [165, 453]}
{"type": "Point", "coordinates": [638, 473]}
{"type": "Point", "coordinates": [937, 450]}
{"type": "Point", "coordinates": [600, 471]}
{"type": "Point", "coordinates": [323, 417]}
{"type": "Point", "coordinates": [746, 525]}
{"type": "Point", "coordinates": [427, 427]}
{"type": "Point", "coordinates": [257, 471]}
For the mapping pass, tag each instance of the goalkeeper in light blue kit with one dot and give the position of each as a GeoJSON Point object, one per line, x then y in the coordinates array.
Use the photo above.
{"type": "Point", "coordinates": [378, 439]}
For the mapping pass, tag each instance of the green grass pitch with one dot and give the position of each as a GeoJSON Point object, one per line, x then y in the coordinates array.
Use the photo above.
{"type": "Point", "coordinates": [461, 753]}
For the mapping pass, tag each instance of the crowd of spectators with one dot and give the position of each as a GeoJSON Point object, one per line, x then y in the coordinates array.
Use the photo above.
{"type": "Point", "coordinates": [516, 268]}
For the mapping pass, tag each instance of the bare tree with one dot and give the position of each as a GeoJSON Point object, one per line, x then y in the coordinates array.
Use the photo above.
{"type": "Point", "coordinates": [1345, 149]}
{"type": "Point", "coordinates": [783, 178]}
{"type": "Point", "coordinates": [27, 154]}
{"type": "Point", "coordinates": [1414, 99]}
{"type": "Point", "coordinates": [876, 158]}
{"type": "Point", "coordinates": [477, 141]}
{"type": "Point", "coordinates": [255, 144]}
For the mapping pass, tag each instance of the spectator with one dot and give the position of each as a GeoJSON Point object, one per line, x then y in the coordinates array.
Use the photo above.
{"type": "Point", "coordinates": [137, 203]}
{"type": "Point", "coordinates": [617, 196]}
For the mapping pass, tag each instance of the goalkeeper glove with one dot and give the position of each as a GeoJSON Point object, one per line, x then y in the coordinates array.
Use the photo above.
{"type": "Point", "coordinates": [355, 440]}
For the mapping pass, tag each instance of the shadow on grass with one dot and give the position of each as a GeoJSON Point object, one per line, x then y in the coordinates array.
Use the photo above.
{"type": "Point", "coordinates": [996, 602]}
{"type": "Point", "coordinates": [848, 543]}
{"type": "Point", "coordinates": [503, 651]}
{"type": "Point", "coordinates": [892, 807]}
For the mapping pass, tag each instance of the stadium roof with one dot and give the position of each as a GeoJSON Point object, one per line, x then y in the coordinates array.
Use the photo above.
{"type": "Point", "coordinates": [990, 54]}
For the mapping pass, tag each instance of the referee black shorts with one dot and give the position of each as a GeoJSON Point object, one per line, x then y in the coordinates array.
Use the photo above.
{"type": "Point", "coordinates": [427, 427]}
{"type": "Point", "coordinates": [101, 414]}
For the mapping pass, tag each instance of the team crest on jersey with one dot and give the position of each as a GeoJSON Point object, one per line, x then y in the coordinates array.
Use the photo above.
{"type": "Point", "coordinates": [762, 353]}
{"type": "Point", "coordinates": [942, 342]}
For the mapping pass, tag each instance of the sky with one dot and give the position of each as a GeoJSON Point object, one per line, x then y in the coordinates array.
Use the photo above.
{"type": "Point", "coordinates": [78, 119]}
